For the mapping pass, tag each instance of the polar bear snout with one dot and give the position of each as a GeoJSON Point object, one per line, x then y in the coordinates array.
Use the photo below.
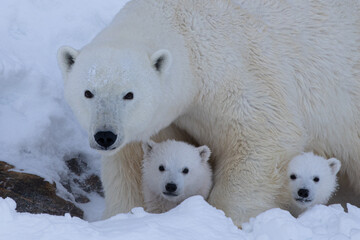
{"type": "Point", "coordinates": [171, 187]}
{"type": "Point", "coordinates": [105, 140]}
{"type": "Point", "coordinates": [171, 191]}
{"type": "Point", "coordinates": [303, 193]}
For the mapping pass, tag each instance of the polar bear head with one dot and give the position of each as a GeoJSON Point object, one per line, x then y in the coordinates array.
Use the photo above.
{"type": "Point", "coordinates": [176, 170]}
{"type": "Point", "coordinates": [126, 94]}
{"type": "Point", "coordinates": [312, 179]}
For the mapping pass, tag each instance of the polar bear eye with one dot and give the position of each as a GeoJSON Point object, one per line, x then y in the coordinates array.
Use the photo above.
{"type": "Point", "coordinates": [185, 171]}
{"type": "Point", "coordinates": [316, 179]}
{"type": "Point", "coordinates": [128, 96]}
{"type": "Point", "coordinates": [161, 168]}
{"type": "Point", "coordinates": [292, 176]}
{"type": "Point", "coordinates": [88, 94]}
{"type": "Point", "coordinates": [159, 63]}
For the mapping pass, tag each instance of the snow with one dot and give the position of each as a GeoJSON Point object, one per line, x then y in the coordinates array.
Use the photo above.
{"type": "Point", "coordinates": [193, 219]}
{"type": "Point", "coordinates": [39, 131]}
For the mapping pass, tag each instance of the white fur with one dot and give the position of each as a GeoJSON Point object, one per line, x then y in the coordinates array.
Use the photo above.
{"type": "Point", "coordinates": [314, 174]}
{"type": "Point", "coordinates": [257, 81]}
{"type": "Point", "coordinates": [121, 174]}
{"type": "Point", "coordinates": [174, 157]}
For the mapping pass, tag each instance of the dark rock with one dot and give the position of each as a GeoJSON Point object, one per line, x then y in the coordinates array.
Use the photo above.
{"type": "Point", "coordinates": [93, 184]}
{"type": "Point", "coordinates": [66, 184]}
{"type": "Point", "coordinates": [76, 165]}
{"type": "Point", "coordinates": [79, 180]}
{"type": "Point", "coordinates": [33, 194]}
{"type": "Point", "coordinates": [81, 199]}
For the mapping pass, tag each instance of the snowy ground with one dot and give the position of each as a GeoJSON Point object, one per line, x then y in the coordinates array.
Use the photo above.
{"type": "Point", "coordinates": [193, 219]}
{"type": "Point", "coordinates": [38, 131]}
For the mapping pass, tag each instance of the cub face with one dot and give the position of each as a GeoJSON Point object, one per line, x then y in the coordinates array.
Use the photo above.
{"type": "Point", "coordinates": [175, 170]}
{"type": "Point", "coordinates": [312, 179]}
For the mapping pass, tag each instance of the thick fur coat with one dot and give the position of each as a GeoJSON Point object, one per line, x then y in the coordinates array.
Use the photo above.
{"type": "Point", "coordinates": [257, 81]}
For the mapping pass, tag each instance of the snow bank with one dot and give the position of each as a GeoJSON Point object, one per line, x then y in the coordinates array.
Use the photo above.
{"type": "Point", "coordinates": [193, 219]}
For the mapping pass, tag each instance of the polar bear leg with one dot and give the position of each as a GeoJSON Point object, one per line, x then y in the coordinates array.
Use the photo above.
{"type": "Point", "coordinates": [248, 187]}
{"type": "Point", "coordinates": [121, 179]}
{"type": "Point", "coordinates": [121, 173]}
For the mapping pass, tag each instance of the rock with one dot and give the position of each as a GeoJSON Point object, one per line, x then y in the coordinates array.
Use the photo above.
{"type": "Point", "coordinates": [80, 180]}
{"type": "Point", "coordinates": [93, 184]}
{"type": "Point", "coordinates": [76, 165]}
{"type": "Point", "coordinates": [33, 194]}
{"type": "Point", "coordinates": [81, 199]}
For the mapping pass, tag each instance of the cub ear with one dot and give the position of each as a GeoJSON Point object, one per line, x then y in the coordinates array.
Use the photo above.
{"type": "Point", "coordinates": [204, 152]}
{"type": "Point", "coordinates": [148, 146]}
{"type": "Point", "coordinates": [161, 60]}
{"type": "Point", "coordinates": [66, 57]}
{"type": "Point", "coordinates": [334, 165]}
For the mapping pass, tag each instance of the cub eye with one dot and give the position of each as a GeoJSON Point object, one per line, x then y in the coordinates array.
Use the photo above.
{"type": "Point", "coordinates": [185, 171]}
{"type": "Point", "coordinates": [316, 179]}
{"type": "Point", "coordinates": [88, 94]}
{"type": "Point", "coordinates": [161, 168]}
{"type": "Point", "coordinates": [128, 96]}
{"type": "Point", "coordinates": [292, 176]}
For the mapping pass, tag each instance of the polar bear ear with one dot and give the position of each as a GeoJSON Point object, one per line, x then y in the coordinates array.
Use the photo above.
{"type": "Point", "coordinates": [334, 165]}
{"type": "Point", "coordinates": [161, 60]}
{"type": "Point", "coordinates": [204, 152]}
{"type": "Point", "coordinates": [148, 146]}
{"type": "Point", "coordinates": [66, 58]}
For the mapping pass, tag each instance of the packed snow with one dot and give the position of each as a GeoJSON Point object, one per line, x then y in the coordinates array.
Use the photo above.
{"type": "Point", "coordinates": [193, 219]}
{"type": "Point", "coordinates": [39, 131]}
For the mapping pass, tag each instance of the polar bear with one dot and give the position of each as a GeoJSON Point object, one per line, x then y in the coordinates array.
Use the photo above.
{"type": "Point", "coordinates": [312, 180]}
{"type": "Point", "coordinates": [172, 172]}
{"type": "Point", "coordinates": [258, 82]}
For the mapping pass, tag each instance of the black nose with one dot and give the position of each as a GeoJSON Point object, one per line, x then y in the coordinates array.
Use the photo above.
{"type": "Point", "coordinates": [105, 139]}
{"type": "Point", "coordinates": [171, 187]}
{"type": "Point", "coordinates": [304, 193]}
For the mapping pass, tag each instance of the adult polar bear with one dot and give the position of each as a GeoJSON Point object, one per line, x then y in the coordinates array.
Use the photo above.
{"type": "Point", "coordinates": [257, 81]}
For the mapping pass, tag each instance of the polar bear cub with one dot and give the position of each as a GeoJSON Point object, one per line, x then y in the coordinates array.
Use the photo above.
{"type": "Point", "coordinates": [312, 180]}
{"type": "Point", "coordinates": [173, 171]}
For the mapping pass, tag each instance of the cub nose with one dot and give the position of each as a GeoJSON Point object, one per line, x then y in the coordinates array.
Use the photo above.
{"type": "Point", "coordinates": [171, 187]}
{"type": "Point", "coordinates": [304, 193]}
{"type": "Point", "coordinates": [105, 139]}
